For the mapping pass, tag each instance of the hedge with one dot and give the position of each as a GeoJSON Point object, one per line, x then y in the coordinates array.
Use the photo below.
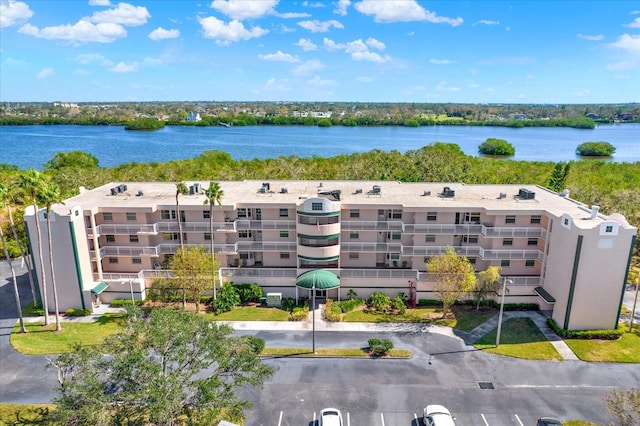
{"type": "Point", "coordinates": [584, 334]}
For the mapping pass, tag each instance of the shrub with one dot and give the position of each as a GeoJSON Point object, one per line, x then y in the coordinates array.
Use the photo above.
{"type": "Point", "coordinates": [288, 304]}
{"type": "Point", "coordinates": [227, 298]}
{"type": "Point", "coordinates": [429, 302]}
{"type": "Point", "coordinates": [585, 334]}
{"type": "Point", "coordinates": [595, 149]}
{"type": "Point", "coordinates": [350, 305]}
{"type": "Point", "coordinates": [248, 292]}
{"type": "Point", "coordinates": [71, 312]}
{"type": "Point", "coordinates": [256, 343]}
{"type": "Point", "coordinates": [379, 347]}
{"type": "Point", "coordinates": [493, 146]}
{"type": "Point", "coordinates": [299, 314]}
{"type": "Point", "coordinates": [380, 302]}
{"type": "Point", "coordinates": [121, 303]}
{"type": "Point", "coordinates": [398, 304]}
{"type": "Point", "coordinates": [332, 311]}
{"type": "Point", "coordinates": [32, 311]}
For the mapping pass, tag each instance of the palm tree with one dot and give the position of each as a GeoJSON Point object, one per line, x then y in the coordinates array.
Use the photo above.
{"type": "Point", "coordinates": [49, 195]}
{"type": "Point", "coordinates": [15, 282]}
{"type": "Point", "coordinates": [214, 195]}
{"type": "Point", "coordinates": [5, 198]}
{"type": "Point", "coordinates": [31, 182]}
{"type": "Point", "coordinates": [181, 189]}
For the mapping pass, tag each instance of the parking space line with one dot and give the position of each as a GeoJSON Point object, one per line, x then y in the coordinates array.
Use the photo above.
{"type": "Point", "coordinates": [382, 418]}
{"type": "Point", "coordinates": [484, 420]}
{"type": "Point", "coordinates": [348, 419]}
{"type": "Point", "coordinates": [518, 419]}
{"type": "Point", "coordinates": [280, 419]}
{"type": "Point", "coordinates": [415, 417]}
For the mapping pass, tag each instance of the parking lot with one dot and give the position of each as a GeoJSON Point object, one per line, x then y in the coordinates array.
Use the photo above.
{"type": "Point", "coordinates": [284, 418]}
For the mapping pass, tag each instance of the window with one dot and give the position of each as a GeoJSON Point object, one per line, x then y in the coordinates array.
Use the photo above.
{"type": "Point", "coordinates": [505, 263]}
{"type": "Point", "coordinates": [529, 263]}
{"type": "Point", "coordinates": [395, 214]}
{"type": "Point", "coordinates": [472, 260]}
{"type": "Point", "coordinates": [245, 256]}
{"type": "Point", "coordinates": [316, 207]}
{"type": "Point", "coordinates": [206, 214]}
{"type": "Point", "coordinates": [113, 260]}
{"type": "Point", "coordinates": [284, 255]}
{"type": "Point", "coordinates": [245, 234]}
{"type": "Point", "coordinates": [608, 229]}
{"type": "Point", "coordinates": [170, 236]}
{"type": "Point", "coordinates": [510, 219]}
{"type": "Point", "coordinates": [430, 238]}
{"type": "Point", "coordinates": [507, 242]}
{"type": "Point", "coordinates": [284, 212]}
{"type": "Point", "coordinates": [167, 214]}
{"type": "Point", "coordinates": [284, 234]}
{"type": "Point", "coordinates": [354, 213]}
{"type": "Point", "coordinates": [471, 239]}
{"type": "Point", "coordinates": [536, 219]}
{"type": "Point", "coordinates": [136, 260]}
{"type": "Point", "coordinates": [207, 236]}
{"type": "Point", "coordinates": [472, 217]}
{"type": "Point", "coordinates": [566, 221]}
{"type": "Point", "coordinates": [532, 242]}
{"type": "Point", "coordinates": [111, 238]}
{"type": "Point", "coordinates": [107, 216]}
{"type": "Point", "coordinates": [244, 213]}
{"type": "Point", "coordinates": [354, 235]}
{"type": "Point", "coordinates": [131, 216]}
{"type": "Point", "coordinates": [354, 255]}
{"type": "Point", "coordinates": [394, 256]}
{"type": "Point", "coordinates": [133, 238]}
{"type": "Point", "coordinates": [395, 235]}
{"type": "Point", "coordinates": [432, 216]}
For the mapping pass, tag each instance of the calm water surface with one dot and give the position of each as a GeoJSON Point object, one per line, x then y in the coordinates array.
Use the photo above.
{"type": "Point", "coordinates": [32, 146]}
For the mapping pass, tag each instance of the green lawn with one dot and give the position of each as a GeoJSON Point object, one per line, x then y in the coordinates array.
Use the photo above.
{"type": "Point", "coordinates": [625, 349]}
{"type": "Point", "coordinates": [520, 338]}
{"type": "Point", "coordinates": [24, 414]}
{"type": "Point", "coordinates": [40, 340]}
{"type": "Point", "coordinates": [252, 313]}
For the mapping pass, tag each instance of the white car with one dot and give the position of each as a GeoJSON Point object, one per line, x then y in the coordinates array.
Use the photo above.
{"type": "Point", "coordinates": [437, 415]}
{"type": "Point", "coordinates": [330, 417]}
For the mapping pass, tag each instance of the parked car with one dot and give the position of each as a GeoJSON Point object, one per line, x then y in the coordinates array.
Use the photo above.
{"type": "Point", "coordinates": [548, 421]}
{"type": "Point", "coordinates": [330, 417]}
{"type": "Point", "coordinates": [437, 415]}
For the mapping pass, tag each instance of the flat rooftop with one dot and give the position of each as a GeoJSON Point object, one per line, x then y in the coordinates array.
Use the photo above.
{"type": "Point", "coordinates": [353, 194]}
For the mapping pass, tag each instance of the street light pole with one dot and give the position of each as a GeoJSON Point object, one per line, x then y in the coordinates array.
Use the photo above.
{"type": "Point", "coordinates": [635, 300]}
{"type": "Point", "coordinates": [504, 290]}
{"type": "Point", "coordinates": [122, 281]}
{"type": "Point", "coordinates": [313, 314]}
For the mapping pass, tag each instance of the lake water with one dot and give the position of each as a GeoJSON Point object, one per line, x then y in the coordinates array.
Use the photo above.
{"type": "Point", "coordinates": [32, 146]}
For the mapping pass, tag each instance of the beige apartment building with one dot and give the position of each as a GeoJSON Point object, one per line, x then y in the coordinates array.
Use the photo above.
{"type": "Point", "coordinates": [566, 257]}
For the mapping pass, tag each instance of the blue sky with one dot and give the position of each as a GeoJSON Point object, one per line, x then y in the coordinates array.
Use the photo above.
{"type": "Point", "coordinates": [286, 50]}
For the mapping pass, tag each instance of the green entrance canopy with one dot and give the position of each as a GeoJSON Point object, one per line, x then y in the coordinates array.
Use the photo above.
{"type": "Point", "coordinates": [319, 278]}
{"type": "Point", "coordinates": [99, 288]}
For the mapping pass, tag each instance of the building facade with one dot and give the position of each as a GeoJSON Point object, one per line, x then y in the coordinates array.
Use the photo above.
{"type": "Point", "coordinates": [375, 236]}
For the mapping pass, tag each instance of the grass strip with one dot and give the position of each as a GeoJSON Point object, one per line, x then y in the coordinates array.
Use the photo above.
{"type": "Point", "coordinates": [330, 352]}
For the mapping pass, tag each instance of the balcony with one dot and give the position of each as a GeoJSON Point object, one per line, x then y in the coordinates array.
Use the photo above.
{"type": "Point", "coordinates": [372, 247]}
{"type": "Point", "coordinates": [319, 252]}
{"type": "Point", "coordinates": [360, 225]}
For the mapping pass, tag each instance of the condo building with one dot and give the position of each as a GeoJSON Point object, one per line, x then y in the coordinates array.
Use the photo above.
{"type": "Point", "coordinates": [373, 236]}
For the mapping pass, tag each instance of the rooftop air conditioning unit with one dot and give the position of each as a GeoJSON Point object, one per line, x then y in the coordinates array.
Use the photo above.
{"type": "Point", "coordinates": [448, 192]}
{"type": "Point", "coordinates": [426, 193]}
{"type": "Point", "coordinates": [502, 195]}
{"type": "Point", "coordinates": [266, 185]}
{"type": "Point", "coordinates": [358, 191]}
{"type": "Point", "coordinates": [262, 190]}
{"type": "Point", "coordinates": [197, 188]}
{"type": "Point", "coordinates": [140, 193]}
{"type": "Point", "coordinates": [283, 190]}
{"type": "Point", "coordinates": [114, 190]}
{"type": "Point", "coordinates": [377, 189]}
{"type": "Point", "coordinates": [525, 194]}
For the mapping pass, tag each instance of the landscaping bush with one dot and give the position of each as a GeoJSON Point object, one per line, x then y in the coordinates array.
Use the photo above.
{"type": "Point", "coordinates": [595, 149]}
{"type": "Point", "coordinates": [429, 302]}
{"type": "Point", "coordinates": [398, 304]}
{"type": "Point", "coordinates": [256, 343]}
{"type": "Point", "coordinates": [299, 314]}
{"type": "Point", "coordinates": [332, 311]}
{"type": "Point", "coordinates": [349, 305]}
{"type": "Point", "coordinates": [288, 304]}
{"type": "Point", "coordinates": [227, 298]}
{"type": "Point", "coordinates": [493, 146]}
{"type": "Point", "coordinates": [71, 312]}
{"type": "Point", "coordinates": [121, 303]}
{"type": "Point", "coordinates": [32, 311]}
{"type": "Point", "coordinates": [585, 334]}
{"type": "Point", "coordinates": [380, 302]}
{"type": "Point", "coordinates": [379, 347]}
{"type": "Point", "coordinates": [249, 292]}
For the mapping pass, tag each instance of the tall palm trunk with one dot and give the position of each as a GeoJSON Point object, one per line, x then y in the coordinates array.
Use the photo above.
{"type": "Point", "coordinates": [213, 255]}
{"type": "Point", "coordinates": [25, 258]}
{"type": "Point", "coordinates": [45, 303]}
{"type": "Point", "coordinates": [15, 283]}
{"type": "Point", "coordinates": [53, 275]}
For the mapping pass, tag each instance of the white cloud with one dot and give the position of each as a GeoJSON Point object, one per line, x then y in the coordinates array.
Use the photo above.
{"type": "Point", "coordinates": [292, 15]}
{"type": "Point", "coordinates": [273, 83]}
{"type": "Point", "coordinates": [386, 11]}
{"type": "Point", "coordinates": [92, 58]}
{"type": "Point", "coordinates": [319, 82]}
{"type": "Point", "coordinates": [44, 73]}
{"type": "Point", "coordinates": [316, 26]}
{"type": "Point", "coordinates": [13, 13]}
{"type": "Point", "coordinates": [634, 24]}
{"type": "Point", "coordinates": [597, 37]}
{"type": "Point", "coordinates": [313, 4]}
{"type": "Point", "coordinates": [629, 43]}
{"type": "Point", "coordinates": [341, 7]}
{"type": "Point", "coordinates": [473, 85]}
{"type": "Point", "coordinates": [370, 57]}
{"type": "Point", "coordinates": [123, 67]}
{"type": "Point", "coordinates": [279, 56]}
{"type": "Point", "coordinates": [331, 45]}
{"type": "Point", "coordinates": [365, 79]}
{"type": "Point", "coordinates": [306, 44]}
{"type": "Point", "coordinates": [99, 3]}
{"type": "Point", "coordinates": [162, 34]}
{"type": "Point", "coordinates": [444, 87]}
{"type": "Point", "coordinates": [308, 68]}
{"type": "Point", "coordinates": [441, 61]}
{"type": "Point", "coordinates": [359, 50]}
{"type": "Point", "coordinates": [244, 9]}
{"type": "Point", "coordinates": [81, 32]}
{"type": "Point", "coordinates": [124, 14]}
{"type": "Point", "coordinates": [507, 28]}
{"type": "Point", "coordinates": [486, 22]}
{"type": "Point", "coordinates": [375, 44]}
{"type": "Point", "coordinates": [224, 33]}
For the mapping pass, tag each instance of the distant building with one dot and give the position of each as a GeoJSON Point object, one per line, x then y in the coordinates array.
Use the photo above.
{"type": "Point", "coordinates": [193, 117]}
{"type": "Point", "coordinates": [592, 116]}
{"type": "Point", "coordinates": [372, 236]}
{"type": "Point", "coordinates": [518, 116]}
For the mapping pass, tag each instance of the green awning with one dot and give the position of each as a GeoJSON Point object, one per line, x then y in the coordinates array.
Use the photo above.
{"type": "Point", "coordinates": [544, 294]}
{"type": "Point", "coordinates": [319, 278]}
{"type": "Point", "coordinates": [99, 288]}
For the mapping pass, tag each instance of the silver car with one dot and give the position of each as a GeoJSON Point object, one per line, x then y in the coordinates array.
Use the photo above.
{"type": "Point", "coordinates": [437, 415]}
{"type": "Point", "coordinates": [330, 417]}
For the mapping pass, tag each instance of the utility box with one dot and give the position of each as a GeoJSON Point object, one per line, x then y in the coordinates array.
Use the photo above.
{"type": "Point", "coordinates": [274, 300]}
